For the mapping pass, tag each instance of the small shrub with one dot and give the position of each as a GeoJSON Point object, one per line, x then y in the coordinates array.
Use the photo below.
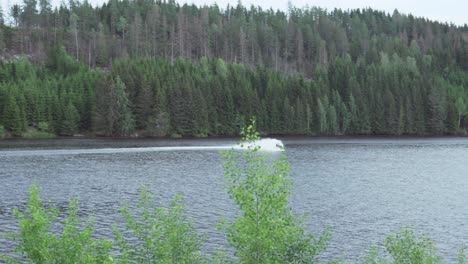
{"type": "Point", "coordinates": [38, 244]}
{"type": "Point", "coordinates": [43, 126]}
{"type": "Point", "coordinates": [373, 257]}
{"type": "Point", "coordinates": [405, 248]}
{"type": "Point", "coordinates": [158, 234]}
{"type": "Point", "coordinates": [462, 255]}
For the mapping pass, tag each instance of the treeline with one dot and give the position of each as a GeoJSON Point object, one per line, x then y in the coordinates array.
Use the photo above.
{"type": "Point", "coordinates": [43, 99]}
{"type": "Point", "coordinates": [299, 40]}
{"type": "Point", "coordinates": [147, 97]}
{"type": "Point", "coordinates": [158, 68]}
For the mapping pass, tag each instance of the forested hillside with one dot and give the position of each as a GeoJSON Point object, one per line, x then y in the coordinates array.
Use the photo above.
{"type": "Point", "coordinates": [158, 68]}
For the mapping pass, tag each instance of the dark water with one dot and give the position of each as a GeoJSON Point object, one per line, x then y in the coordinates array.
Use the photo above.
{"type": "Point", "coordinates": [361, 188]}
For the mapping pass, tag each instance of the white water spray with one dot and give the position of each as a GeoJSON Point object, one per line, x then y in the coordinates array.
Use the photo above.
{"type": "Point", "coordinates": [267, 145]}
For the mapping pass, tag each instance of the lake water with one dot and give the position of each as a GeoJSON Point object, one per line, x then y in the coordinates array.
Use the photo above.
{"type": "Point", "coordinates": [361, 188]}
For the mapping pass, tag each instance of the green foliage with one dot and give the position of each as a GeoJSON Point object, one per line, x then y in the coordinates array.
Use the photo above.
{"type": "Point", "coordinates": [112, 114]}
{"type": "Point", "coordinates": [265, 231]}
{"type": "Point", "coordinates": [373, 257]}
{"type": "Point", "coordinates": [157, 125]}
{"type": "Point", "coordinates": [294, 41]}
{"type": "Point", "coordinates": [39, 245]}
{"type": "Point", "coordinates": [60, 61]}
{"type": "Point", "coordinates": [406, 248]}
{"type": "Point", "coordinates": [323, 72]}
{"type": "Point", "coordinates": [12, 116]}
{"type": "Point", "coordinates": [70, 121]}
{"type": "Point", "coordinates": [125, 121]}
{"type": "Point", "coordinates": [31, 97]}
{"type": "Point", "coordinates": [462, 259]}
{"type": "Point", "coordinates": [156, 98]}
{"type": "Point", "coordinates": [43, 126]}
{"type": "Point", "coordinates": [437, 110]}
{"type": "Point", "coordinates": [158, 234]}
{"type": "Point", "coordinates": [38, 134]}
{"type": "Point", "coordinates": [2, 131]}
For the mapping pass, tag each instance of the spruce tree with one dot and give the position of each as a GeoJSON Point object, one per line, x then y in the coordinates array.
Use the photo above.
{"type": "Point", "coordinates": [125, 121]}
{"type": "Point", "coordinates": [71, 119]}
{"type": "Point", "coordinates": [12, 116]}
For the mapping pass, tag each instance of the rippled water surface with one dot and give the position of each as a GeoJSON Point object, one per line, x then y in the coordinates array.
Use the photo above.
{"type": "Point", "coordinates": [361, 188]}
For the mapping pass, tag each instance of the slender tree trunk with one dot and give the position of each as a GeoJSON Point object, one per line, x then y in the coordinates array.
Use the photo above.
{"type": "Point", "coordinates": [76, 43]}
{"type": "Point", "coordinates": [172, 46]}
{"type": "Point", "coordinates": [89, 53]}
{"type": "Point", "coordinates": [459, 120]}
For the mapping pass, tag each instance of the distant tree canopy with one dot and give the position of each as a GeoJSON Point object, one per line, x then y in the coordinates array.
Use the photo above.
{"type": "Point", "coordinates": [157, 68]}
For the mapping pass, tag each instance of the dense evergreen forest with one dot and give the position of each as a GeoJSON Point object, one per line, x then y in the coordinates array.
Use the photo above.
{"type": "Point", "coordinates": [158, 68]}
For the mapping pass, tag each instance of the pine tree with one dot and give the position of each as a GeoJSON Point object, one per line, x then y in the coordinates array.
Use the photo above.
{"type": "Point", "coordinates": [180, 105]}
{"type": "Point", "coordinates": [112, 114]}
{"type": "Point", "coordinates": [71, 119]}
{"type": "Point", "coordinates": [332, 120]}
{"type": "Point", "coordinates": [200, 114]}
{"type": "Point", "coordinates": [12, 116]}
{"type": "Point", "coordinates": [125, 121]}
{"type": "Point", "coordinates": [391, 114]}
{"type": "Point", "coordinates": [437, 110]}
{"type": "Point", "coordinates": [144, 104]}
{"type": "Point", "coordinates": [102, 57]}
{"type": "Point", "coordinates": [461, 110]}
{"type": "Point", "coordinates": [322, 117]}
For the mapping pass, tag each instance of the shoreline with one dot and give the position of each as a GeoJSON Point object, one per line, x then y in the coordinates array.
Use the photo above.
{"type": "Point", "coordinates": [285, 136]}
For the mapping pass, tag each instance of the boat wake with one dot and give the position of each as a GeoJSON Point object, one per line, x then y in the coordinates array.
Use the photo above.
{"type": "Point", "coordinates": [266, 145]}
